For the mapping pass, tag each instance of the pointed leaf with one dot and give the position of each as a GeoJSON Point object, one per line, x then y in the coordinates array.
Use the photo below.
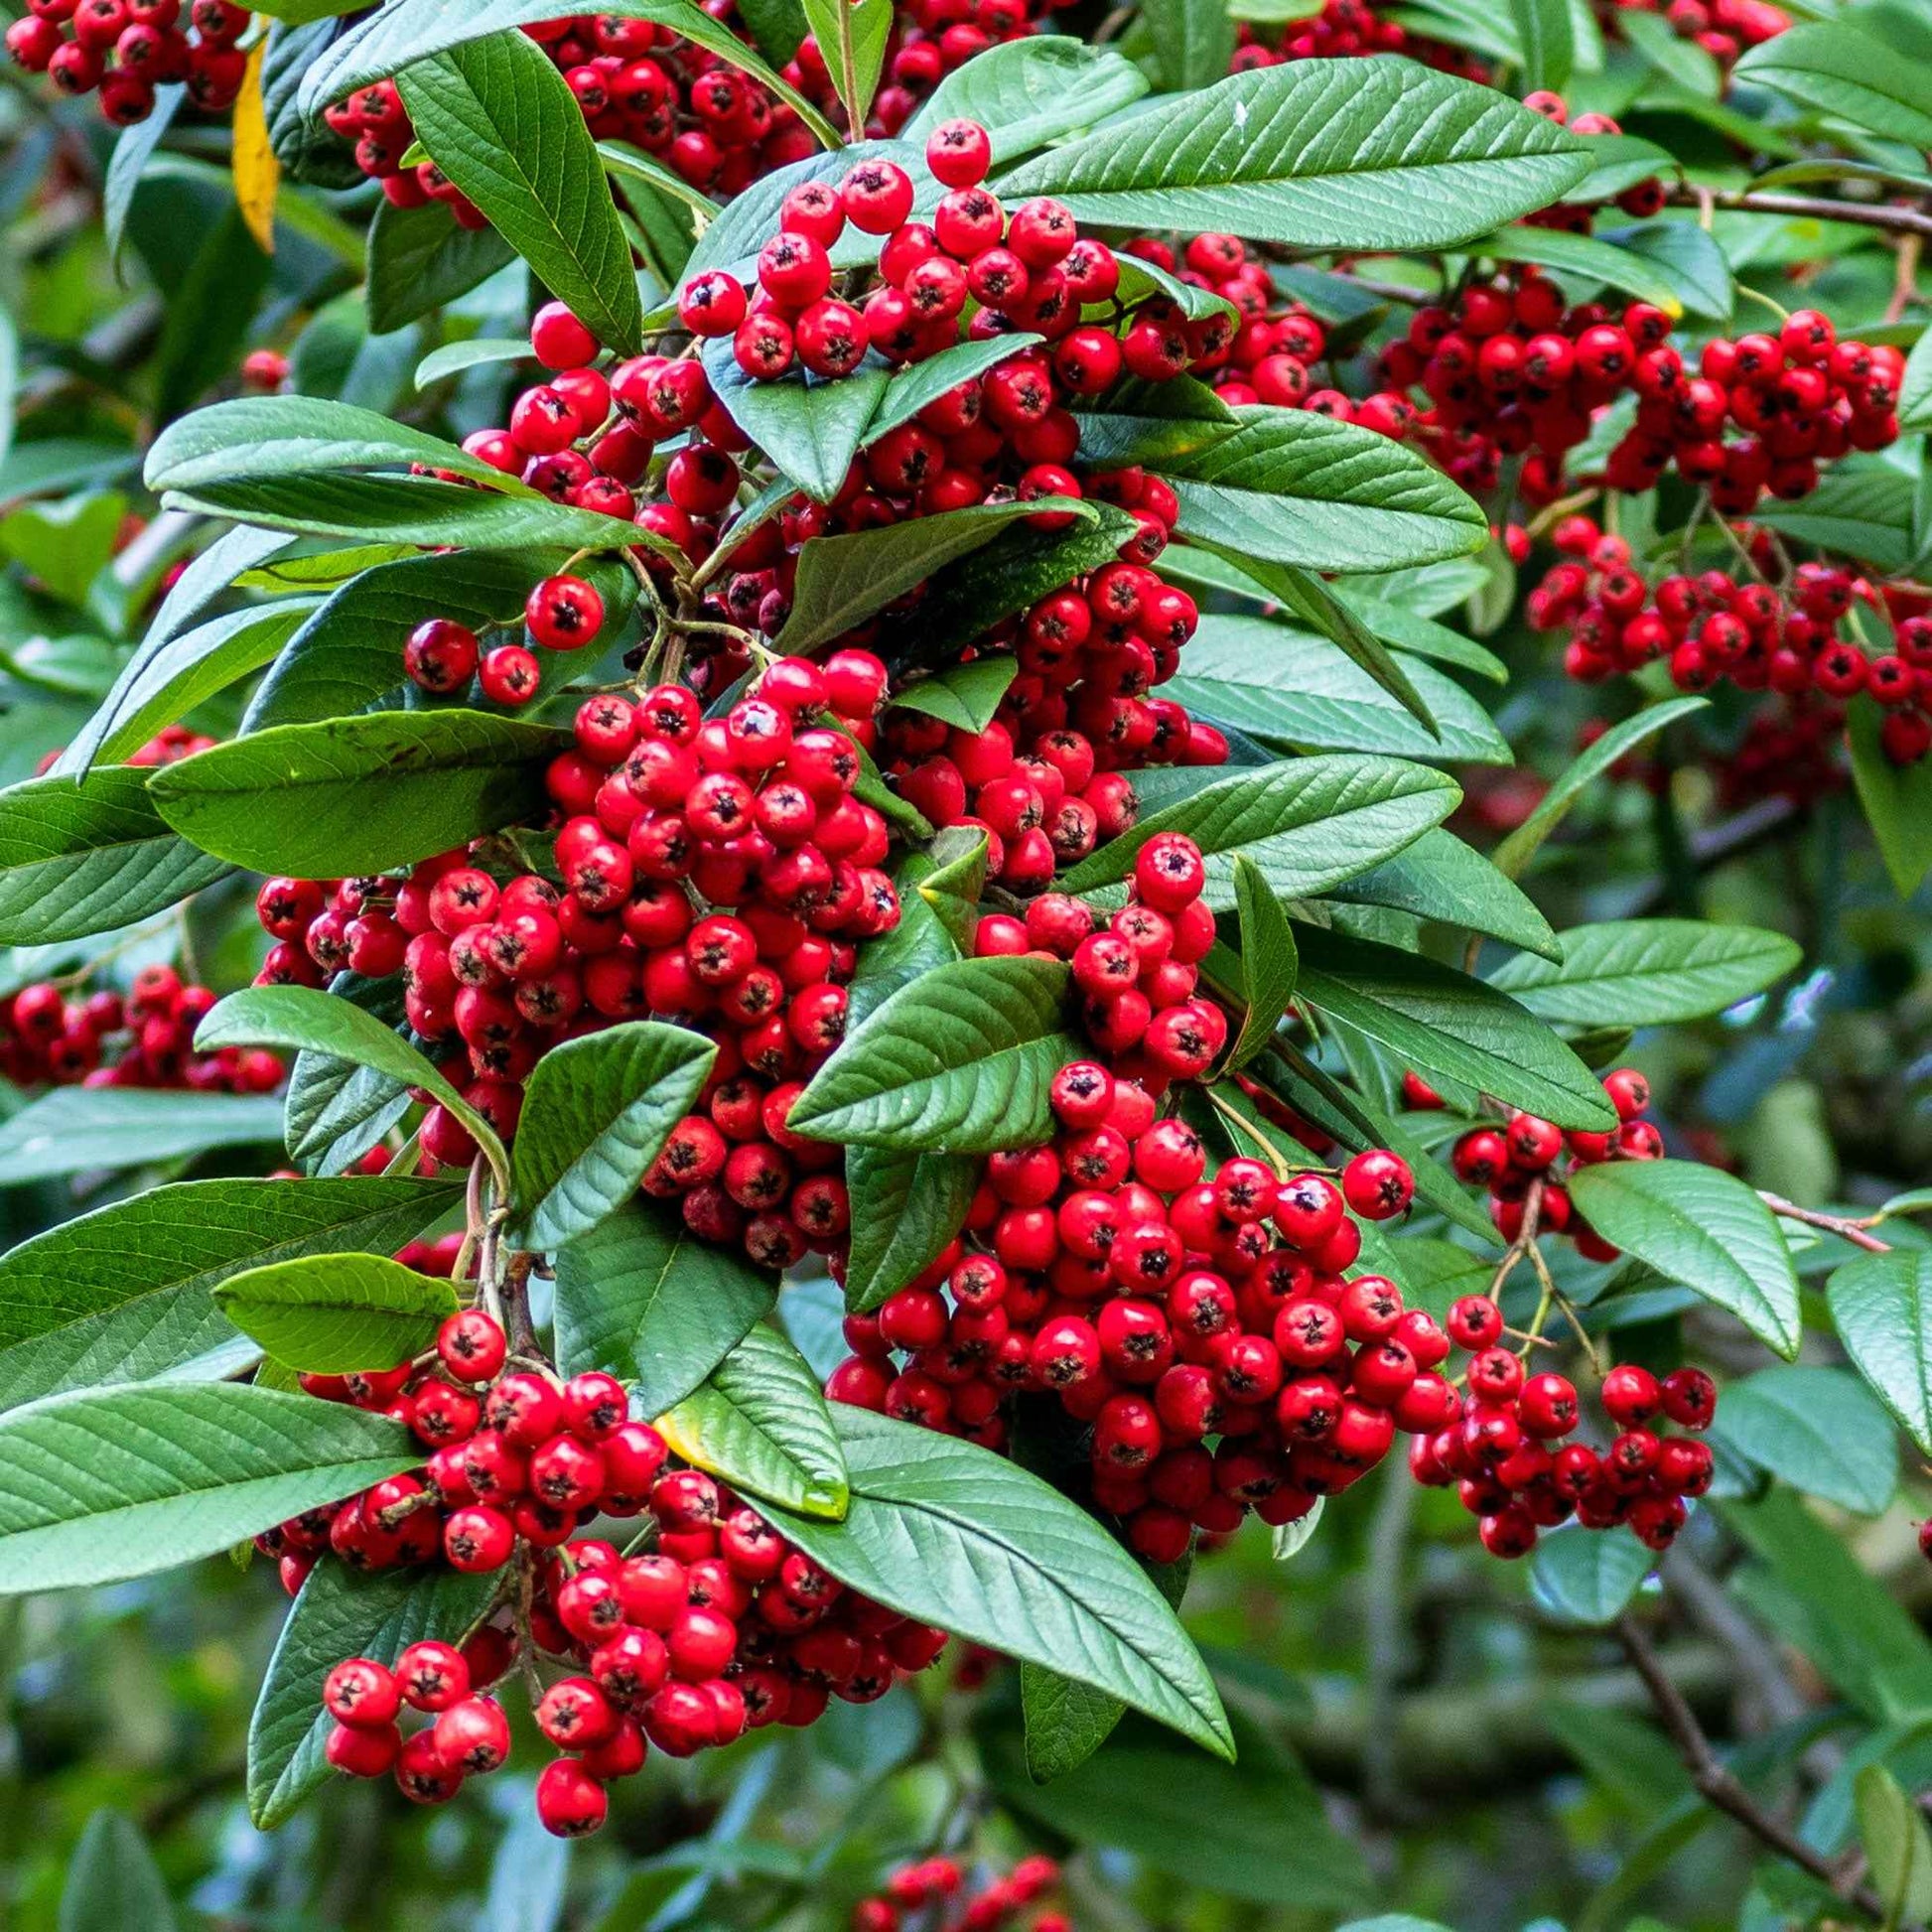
{"type": "Point", "coordinates": [1027, 92]}
{"type": "Point", "coordinates": [760, 1422]}
{"type": "Point", "coordinates": [85, 858]}
{"type": "Point", "coordinates": [965, 697]}
{"type": "Point", "coordinates": [1819, 1429]}
{"type": "Point", "coordinates": [118, 1483]}
{"type": "Point", "coordinates": [907, 1205]}
{"type": "Point", "coordinates": [642, 1298]}
{"type": "Point", "coordinates": [113, 1883]}
{"type": "Point", "coordinates": [73, 1129]}
{"type": "Point", "coordinates": [1882, 1307]}
{"type": "Point", "coordinates": [1842, 71]}
{"type": "Point", "coordinates": [1441, 878]}
{"type": "Point", "coordinates": [1648, 972]}
{"type": "Point", "coordinates": [1703, 1227]}
{"type": "Point", "coordinates": [419, 259]}
{"type": "Point", "coordinates": [1898, 801]}
{"type": "Point", "coordinates": [960, 1061]}
{"type": "Point", "coordinates": [333, 1314]}
{"type": "Point", "coordinates": [1269, 961]}
{"type": "Point", "coordinates": [953, 1534]}
{"type": "Point", "coordinates": [596, 1112]}
{"type": "Point", "coordinates": [351, 795]}
{"type": "Point", "coordinates": [1381, 155]}
{"type": "Point", "coordinates": [1587, 1576]}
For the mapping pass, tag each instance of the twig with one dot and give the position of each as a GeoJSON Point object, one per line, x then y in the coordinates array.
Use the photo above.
{"type": "Point", "coordinates": [1865, 214]}
{"type": "Point", "coordinates": [1716, 1785]}
{"type": "Point", "coordinates": [1844, 1227]}
{"type": "Point", "coordinates": [1904, 286]}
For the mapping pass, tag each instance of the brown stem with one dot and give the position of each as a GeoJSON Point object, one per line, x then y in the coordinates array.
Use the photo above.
{"type": "Point", "coordinates": [1718, 1787]}
{"type": "Point", "coordinates": [516, 1303]}
{"type": "Point", "coordinates": [1856, 1232]}
{"type": "Point", "coordinates": [1865, 214]}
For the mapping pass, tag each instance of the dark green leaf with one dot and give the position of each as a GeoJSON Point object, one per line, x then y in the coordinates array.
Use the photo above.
{"type": "Point", "coordinates": [498, 117]}
{"type": "Point", "coordinates": [645, 1299]}
{"type": "Point", "coordinates": [118, 1483]}
{"type": "Point", "coordinates": [336, 1110]}
{"type": "Point", "coordinates": [852, 36]}
{"type": "Point", "coordinates": [1842, 71]}
{"type": "Point", "coordinates": [810, 427]}
{"type": "Point", "coordinates": [1194, 40]}
{"type": "Point", "coordinates": [334, 1314]}
{"type": "Point", "coordinates": [1548, 41]}
{"type": "Point", "coordinates": [1588, 258]}
{"type": "Point", "coordinates": [907, 1205]}
{"type": "Point", "coordinates": [1898, 1846]}
{"type": "Point", "coordinates": [342, 1613]}
{"type": "Point", "coordinates": [1703, 1227]}
{"type": "Point", "coordinates": [1269, 961]}
{"type": "Point", "coordinates": [1441, 878]}
{"type": "Point", "coordinates": [842, 581]}
{"type": "Point", "coordinates": [208, 316]}
{"type": "Point", "coordinates": [1307, 823]}
{"type": "Point", "coordinates": [920, 383]}
{"type": "Point", "coordinates": [73, 1129]}
{"type": "Point", "coordinates": [1442, 1022]}
{"type": "Point", "coordinates": [419, 259]}
{"type": "Point", "coordinates": [77, 859]}
{"type": "Point", "coordinates": [760, 1422]}
{"type": "Point", "coordinates": [1819, 1429]}
{"type": "Point", "coordinates": [596, 1112]}
{"type": "Point", "coordinates": [958, 1061]}
{"type": "Point", "coordinates": [1688, 257]}
{"type": "Point", "coordinates": [1882, 1304]}
{"type": "Point", "coordinates": [351, 795]}
{"type": "Point", "coordinates": [953, 1534]}
{"type": "Point", "coordinates": [1587, 1576]}
{"type": "Point", "coordinates": [966, 696]}
{"type": "Point", "coordinates": [134, 148]}
{"type": "Point", "coordinates": [1318, 154]}
{"type": "Point", "coordinates": [1898, 801]}
{"type": "Point", "coordinates": [1648, 972]}
{"type": "Point", "coordinates": [114, 1884]}
{"type": "Point", "coordinates": [938, 896]}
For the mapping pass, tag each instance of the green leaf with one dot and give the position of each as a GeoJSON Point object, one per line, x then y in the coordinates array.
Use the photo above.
{"type": "Point", "coordinates": [1861, 509]}
{"type": "Point", "coordinates": [1898, 801]}
{"type": "Point", "coordinates": [351, 795]}
{"type": "Point", "coordinates": [499, 118]}
{"type": "Point", "coordinates": [342, 1613]}
{"type": "Point", "coordinates": [453, 358]}
{"type": "Point", "coordinates": [965, 697]}
{"type": "Point", "coordinates": [396, 36]}
{"type": "Point", "coordinates": [751, 217]}
{"type": "Point", "coordinates": [1298, 487]}
{"type": "Point", "coordinates": [596, 1112]}
{"type": "Point", "coordinates": [1194, 40]}
{"type": "Point", "coordinates": [1269, 961]}
{"type": "Point", "coordinates": [938, 896]}
{"type": "Point", "coordinates": [334, 1314]}
{"type": "Point", "coordinates": [810, 426]}
{"type": "Point", "coordinates": [1881, 1305]}
{"type": "Point", "coordinates": [113, 1883]}
{"type": "Point", "coordinates": [106, 1485]}
{"type": "Point", "coordinates": [1383, 155]}
{"type": "Point", "coordinates": [1067, 1722]}
{"type": "Point", "coordinates": [1648, 972]}
{"type": "Point", "coordinates": [1686, 257]}
{"type": "Point", "coordinates": [1586, 257]}
{"type": "Point", "coordinates": [956, 1535]}
{"type": "Point", "coordinates": [1288, 688]}
{"type": "Point", "coordinates": [1819, 1428]}
{"type": "Point", "coordinates": [78, 859]}
{"type": "Point", "coordinates": [907, 1205]}
{"type": "Point", "coordinates": [1520, 847]}
{"type": "Point", "coordinates": [122, 1294]}
{"type": "Point", "coordinates": [1842, 71]}
{"type": "Point", "coordinates": [842, 580]}
{"type": "Point", "coordinates": [73, 1129]}
{"type": "Point", "coordinates": [642, 1298]}
{"type": "Point", "coordinates": [134, 148]}
{"type": "Point", "coordinates": [65, 544]}
{"type": "Point", "coordinates": [1289, 1540]}
{"type": "Point", "coordinates": [1311, 600]}
{"type": "Point", "coordinates": [1027, 92]}
{"type": "Point", "coordinates": [1898, 1846]}
{"type": "Point", "coordinates": [336, 1110]}
{"type": "Point", "coordinates": [1548, 41]}
{"type": "Point", "coordinates": [760, 1422]}
{"type": "Point", "coordinates": [1587, 1576]}
{"type": "Point", "coordinates": [303, 1019]}
{"type": "Point", "coordinates": [170, 675]}
{"type": "Point", "coordinates": [852, 36]}
{"type": "Point", "coordinates": [1702, 1227]}
{"type": "Point", "coordinates": [958, 1061]}
{"type": "Point", "coordinates": [1256, 1830]}
{"type": "Point", "coordinates": [1681, 63]}
{"type": "Point", "coordinates": [420, 259]}
{"type": "Point", "coordinates": [1307, 823]}
{"type": "Point", "coordinates": [1442, 1022]}
{"type": "Point", "coordinates": [1441, 878]}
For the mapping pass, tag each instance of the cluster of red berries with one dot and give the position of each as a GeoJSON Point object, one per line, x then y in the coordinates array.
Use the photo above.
{"type": "Point", "coordinates": [143, 1038]}
{"type": "Point", "coordinates": [1029, 271]}
{"type": "Point", "coordinates": [1510, 370]}
{"type": "Point", "coordinates": [1708, 629]}
{"type": "Point", "coordinates": [126, 49]}
{"type": "Point", "coordinates": [940, 1897]}
{"type": "Point", "coordinates": [442, 656]}
{"type": "Point", "coordinates": [721, 1628]}
{"type": "Point", "coordinates": [168, 747]}
{"type": "Point", "coordinates": [1503, 1456]}
{"type": "Point", "coordinates": [1525, 1150]}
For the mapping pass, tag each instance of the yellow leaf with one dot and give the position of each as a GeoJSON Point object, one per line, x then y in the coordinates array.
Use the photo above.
{"type": "Point", "coordinates": [257, 172]}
